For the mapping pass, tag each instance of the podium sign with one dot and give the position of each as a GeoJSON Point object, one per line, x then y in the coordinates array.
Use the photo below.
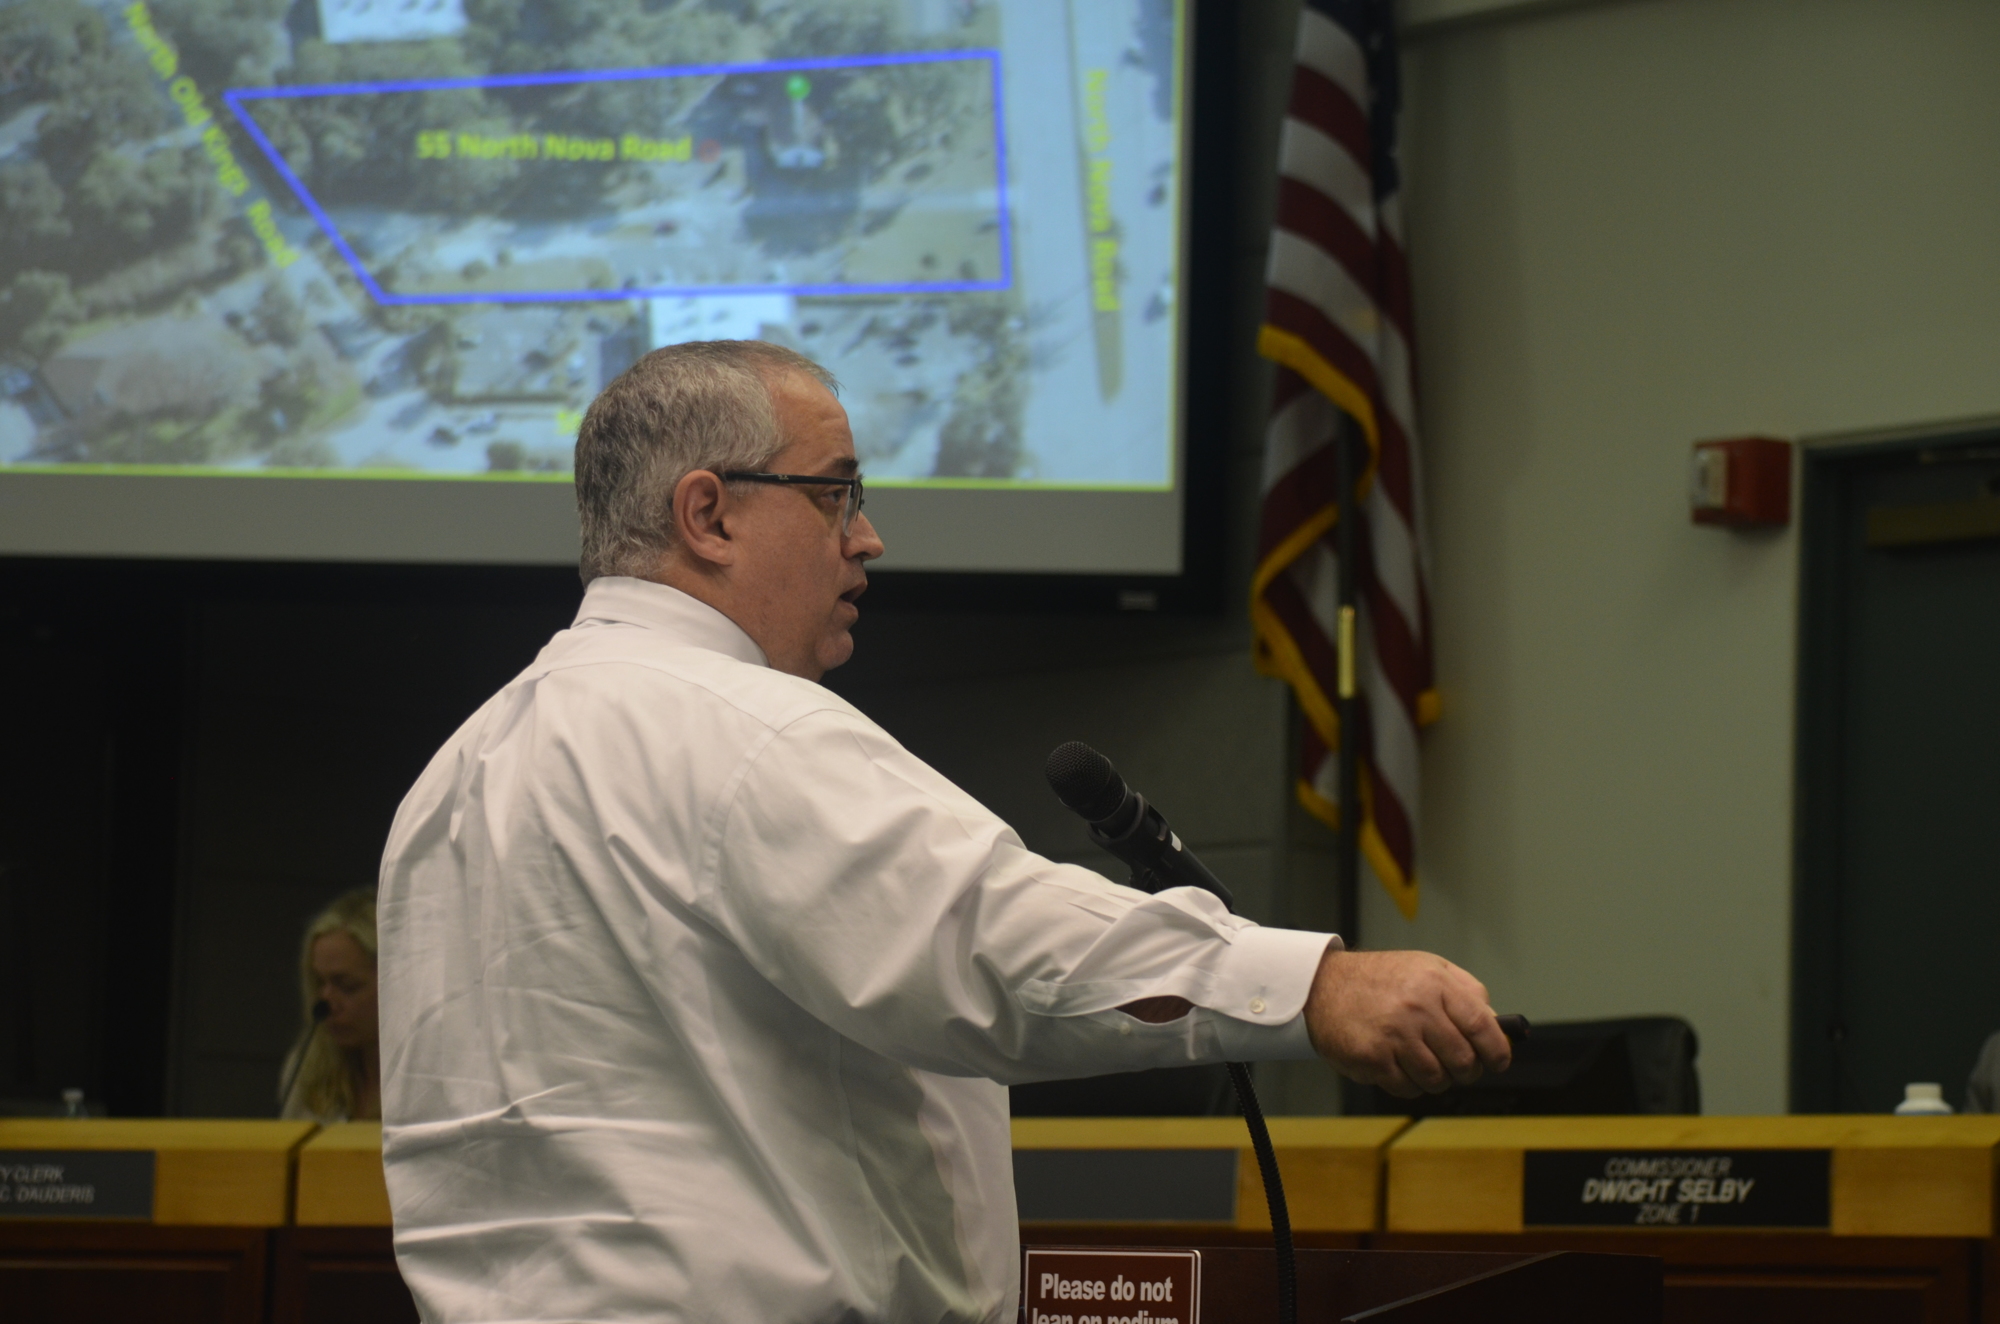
{"type": "Point", "coordinates": [1668, 1188]}
{"type": "Point", "coordinates": [76, 1183]}
{"type": "Point", "coordinates": [1111, 1286]}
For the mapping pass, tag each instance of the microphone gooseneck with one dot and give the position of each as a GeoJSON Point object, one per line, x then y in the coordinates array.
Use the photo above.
{"type": "Point", "coordinates": [1124, 824]}
{"type": "Point", "coordinates": [320, 1011]}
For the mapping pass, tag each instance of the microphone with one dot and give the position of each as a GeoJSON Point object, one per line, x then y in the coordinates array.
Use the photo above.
{"type": "Point", "coordinates": [320, 1011]}
{"type": "Point", "coordinates": [1124, 824]}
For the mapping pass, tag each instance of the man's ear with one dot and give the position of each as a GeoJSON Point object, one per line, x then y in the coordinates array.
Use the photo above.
{"type": "Point", "coordinates": [701, 507]}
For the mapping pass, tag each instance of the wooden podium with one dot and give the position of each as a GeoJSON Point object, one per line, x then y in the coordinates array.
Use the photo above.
{"type": "Point", "coordinates": [1238, 1285]}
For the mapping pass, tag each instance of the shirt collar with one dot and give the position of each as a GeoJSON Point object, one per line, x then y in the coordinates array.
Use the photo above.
{"type": "Point", "coordinates": [617, 600]}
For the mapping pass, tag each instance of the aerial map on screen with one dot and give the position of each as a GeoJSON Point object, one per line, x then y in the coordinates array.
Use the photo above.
{"type": "Point", "coordinates": [414, 238]}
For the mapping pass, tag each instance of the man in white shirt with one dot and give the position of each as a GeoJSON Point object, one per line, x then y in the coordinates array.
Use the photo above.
{"type": "Point", "coordinates": [700, 993]}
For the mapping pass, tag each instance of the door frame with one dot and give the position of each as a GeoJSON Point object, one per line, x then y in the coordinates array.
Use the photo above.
{"type": "Point", "coordinates": [1828, 468]}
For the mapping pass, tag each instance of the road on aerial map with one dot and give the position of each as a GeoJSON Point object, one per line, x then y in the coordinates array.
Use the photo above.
{"type": "Point", "coordinates": [646, 182]}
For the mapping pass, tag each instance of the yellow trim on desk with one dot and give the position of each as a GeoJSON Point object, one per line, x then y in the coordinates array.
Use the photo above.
{"type": "Point", "coordinates": [1202, 1132]}
{"type": "Point", "coordinates": [340, 1178]}
{"type": "Point", "coordinates": [1891, 1176]}
{"type": "Point", "coordinates": [205, 1173]}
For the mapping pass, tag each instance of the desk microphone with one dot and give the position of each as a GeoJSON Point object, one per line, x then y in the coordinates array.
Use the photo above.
{"type": "Point", "coordinates": [320, 1011]}
{"type": "Point", "coordinates": [1124, 824]}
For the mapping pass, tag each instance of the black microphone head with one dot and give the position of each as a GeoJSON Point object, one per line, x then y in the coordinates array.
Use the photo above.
{"type": "Point", "coordinates": [1085, 781]}
{"type": "Point", "coordinates": [321, 1010]}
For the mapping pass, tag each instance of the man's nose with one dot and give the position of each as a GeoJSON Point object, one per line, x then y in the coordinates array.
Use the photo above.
{"type": "Point", "coordinates": [863, 543]}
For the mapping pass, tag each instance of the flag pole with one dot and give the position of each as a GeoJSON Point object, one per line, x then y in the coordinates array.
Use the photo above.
{"type": "Point", "coordinates": [1347, 862]}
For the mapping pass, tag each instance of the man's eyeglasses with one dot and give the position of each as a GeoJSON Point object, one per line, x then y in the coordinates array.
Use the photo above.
{"type": "Point", "coordinates": [853, 486]}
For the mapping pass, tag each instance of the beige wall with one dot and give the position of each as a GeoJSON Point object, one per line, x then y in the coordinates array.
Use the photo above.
{"type": "Point", "coordinates": [1634, 225]}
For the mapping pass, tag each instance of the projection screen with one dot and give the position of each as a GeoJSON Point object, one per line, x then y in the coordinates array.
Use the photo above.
{"type": "Point", "coordinates": [336, 279]}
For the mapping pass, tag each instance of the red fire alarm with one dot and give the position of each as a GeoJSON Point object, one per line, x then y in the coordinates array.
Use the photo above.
{"type": "Point", "coordinates": [1744, 482]}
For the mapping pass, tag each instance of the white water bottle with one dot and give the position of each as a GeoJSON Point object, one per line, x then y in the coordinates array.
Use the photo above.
{"type": "Point", "coordinates": [1923, 1100]}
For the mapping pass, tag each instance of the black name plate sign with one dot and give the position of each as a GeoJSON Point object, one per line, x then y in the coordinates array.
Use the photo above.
{"type": "Point", "coordinates": [76, 1183]}
{"type": "Point", "coordinates": [1676, 1188]}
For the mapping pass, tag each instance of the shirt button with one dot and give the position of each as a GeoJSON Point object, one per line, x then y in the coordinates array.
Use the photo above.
{"type": "Point", "coordinates": [1124, 1027]}
{"type": "Point", "coordinates": [1257, 1006]}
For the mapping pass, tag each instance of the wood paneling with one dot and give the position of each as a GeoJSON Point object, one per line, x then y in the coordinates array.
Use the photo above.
{"type": "Point", "coordinates": [92, 1273]}
{"type": "Point", "coordinates": [1773, 1278]}
{"type": "Point", "coordinates": [1239, 1286]}
{"type": "Point", "coordinates": [325, 1275]}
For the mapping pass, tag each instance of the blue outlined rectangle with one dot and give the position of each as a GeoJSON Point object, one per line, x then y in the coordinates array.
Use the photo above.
{"type": "Point", "coordinates": [237, 98]}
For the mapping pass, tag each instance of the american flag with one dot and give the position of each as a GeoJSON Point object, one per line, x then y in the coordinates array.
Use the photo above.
{"type": "Point", "coordinates": [1337, 322]}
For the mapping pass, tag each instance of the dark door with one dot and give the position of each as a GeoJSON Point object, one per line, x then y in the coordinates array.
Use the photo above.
{"type": "Point", "coordinates": [1898, 919]}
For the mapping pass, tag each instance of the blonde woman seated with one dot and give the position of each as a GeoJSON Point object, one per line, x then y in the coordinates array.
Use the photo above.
{"type": "Point", "coordinates": [334, 1072]}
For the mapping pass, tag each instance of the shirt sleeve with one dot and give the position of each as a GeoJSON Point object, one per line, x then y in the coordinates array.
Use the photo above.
{"type": "Point", "coordinates": [1980, 1088]}
{"type": "Point", "coordinates": [901, 912]}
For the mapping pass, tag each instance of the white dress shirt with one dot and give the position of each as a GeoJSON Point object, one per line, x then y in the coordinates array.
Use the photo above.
{"type": "Point", "coordinates": [698, 994]}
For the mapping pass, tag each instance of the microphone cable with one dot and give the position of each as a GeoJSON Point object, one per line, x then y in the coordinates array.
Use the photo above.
{"type": "Point", "coordinates": [1123, 823]}
{"type": "Point", "coordinates": [1274, 1192]}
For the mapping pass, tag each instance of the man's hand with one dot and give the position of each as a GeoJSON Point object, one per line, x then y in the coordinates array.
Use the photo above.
{"type": "Point", "coordinates": [1410, 1022]}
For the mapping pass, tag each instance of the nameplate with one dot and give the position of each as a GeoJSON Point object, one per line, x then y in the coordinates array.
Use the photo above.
{"type": "Point", "coordinates": [76, 1183]}
{"type": "Point", "coordinates": [1125, 1185]}
{"type": "Point", "coordinates": [1670, 1188]}
{"type": "Point", "coordinates": [1111, 1286]}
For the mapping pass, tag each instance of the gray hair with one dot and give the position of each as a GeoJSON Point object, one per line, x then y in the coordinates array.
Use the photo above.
{"type": "Point", "coordinates": [705, 404]}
